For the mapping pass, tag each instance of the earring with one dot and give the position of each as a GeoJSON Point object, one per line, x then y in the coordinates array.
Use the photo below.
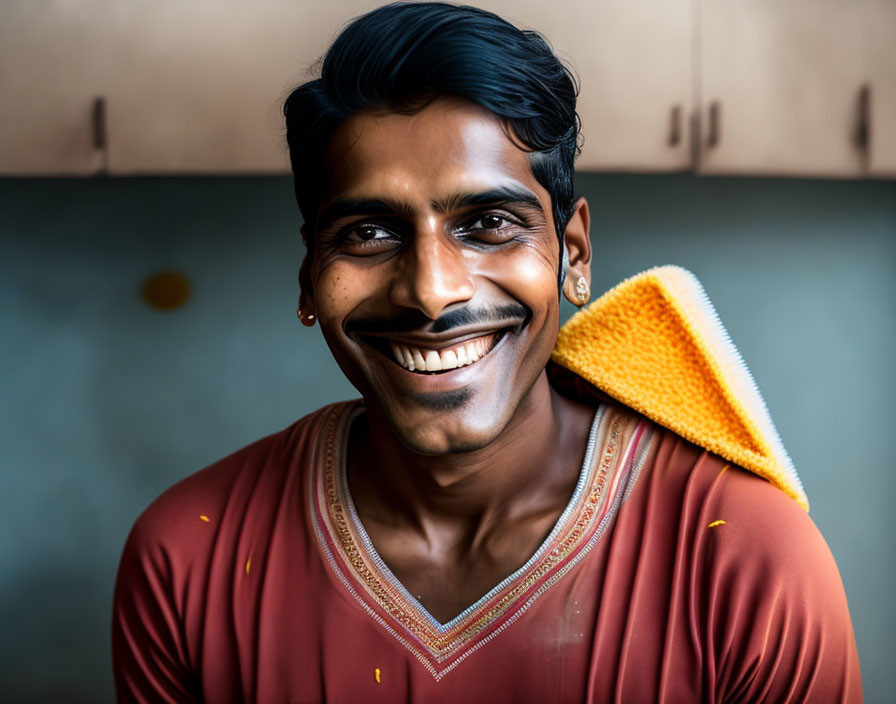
{"type": "Point", "coordinates": [305, 317]}
{"type": "Point", "coordinates": [583, 291]}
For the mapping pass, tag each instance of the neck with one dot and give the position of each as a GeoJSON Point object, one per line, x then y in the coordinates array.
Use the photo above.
{"type": "Point", "coordinates": [532, 465]}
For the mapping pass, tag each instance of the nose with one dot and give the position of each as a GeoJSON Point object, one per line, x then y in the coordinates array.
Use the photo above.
{"type": "Point", "coordinates": [432, 275]}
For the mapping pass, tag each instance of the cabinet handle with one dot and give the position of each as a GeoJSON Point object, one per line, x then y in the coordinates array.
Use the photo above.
{"type": "Point", "coordinates": [99, 123]}
{"type": "Point", "coordinates": [675, 126]}
{"type": "Point", "coordinates": [100, 133]}
{"type": "Point", "coordinates": [863, 124]}
{"type": "Point", "coordinates": [714, 135]}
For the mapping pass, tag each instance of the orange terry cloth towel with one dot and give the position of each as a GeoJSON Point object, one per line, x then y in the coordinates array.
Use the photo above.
{"type": "Point", "coordinates": [655, 343]}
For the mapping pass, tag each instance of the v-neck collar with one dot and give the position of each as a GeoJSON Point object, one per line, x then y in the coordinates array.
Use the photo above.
{"type": "Point", "coordinates": [618, 443]}
{"type": "Point", "coordinates": [388, 575]}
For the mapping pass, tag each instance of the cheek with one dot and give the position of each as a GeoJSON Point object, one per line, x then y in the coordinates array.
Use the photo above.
{"type": "Point", "coordinates": [530, 275]}
{"type": "Point", "coordinates": [338, 288]}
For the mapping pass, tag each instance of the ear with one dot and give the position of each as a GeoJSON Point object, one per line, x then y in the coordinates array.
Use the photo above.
{"type": "Point", "coordinates": [306, 291]}
{"type": "Point", "coordinates": [577, 242]}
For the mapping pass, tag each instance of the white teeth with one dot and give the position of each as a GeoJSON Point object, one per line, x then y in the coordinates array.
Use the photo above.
{"type": "Point", "coordinates": [418, 360]}
{"type": "Point", "coordinates": [433, 361]}
{"type": "Point", "coordinates": [408, 358]}
{"type": "Point", "coordinates": [449, 360]}
{"type": "Point", "coordinates": [464, 354]}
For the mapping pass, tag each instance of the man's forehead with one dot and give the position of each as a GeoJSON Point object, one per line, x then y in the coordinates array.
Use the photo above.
{"type": "Point", "coordinates": [450, 121]}
{"type": "Point", "coordinates": [438, 155]}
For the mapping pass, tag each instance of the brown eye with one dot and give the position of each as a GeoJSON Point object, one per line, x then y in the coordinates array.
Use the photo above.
{"type": "Point", "coordinates": [367, 233]}
{"type": "Point", "coordinates": [490, 228]}
{"type": "Point", "coordinates": [491, 222]}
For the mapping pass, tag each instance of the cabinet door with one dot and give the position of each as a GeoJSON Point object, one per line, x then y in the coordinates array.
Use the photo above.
{"type": "Point", "coordinates": [634, 63]}
{"type": "Point", "coordinates": [780, 85]}
{"type": "Point", "coordinates": [198, 86]}
{"type": "Point", "coordinates": [49, 76]}
{"type": "Point", "coordinates": [200, 83]}
{"type": "Point", "coordinates": [880, 40]}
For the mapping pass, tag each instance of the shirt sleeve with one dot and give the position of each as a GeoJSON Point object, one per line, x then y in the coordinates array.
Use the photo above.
{"type": "Point", "coordinates": [778, 624]}
{"type": "Point", "coordinates": [149, 653]}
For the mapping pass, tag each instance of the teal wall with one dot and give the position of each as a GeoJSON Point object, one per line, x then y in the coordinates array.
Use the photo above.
{"type": "Point", "coordinates": [106, 402]}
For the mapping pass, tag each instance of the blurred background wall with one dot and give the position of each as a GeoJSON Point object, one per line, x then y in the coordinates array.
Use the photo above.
{"type": "Point", "coordinates": [107, 401]}
{"type": "Point", "coordinates": [753, 143]}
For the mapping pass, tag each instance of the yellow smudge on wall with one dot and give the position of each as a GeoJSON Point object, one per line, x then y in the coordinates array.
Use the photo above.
{"type": "Point", "coordinates": [248, 563]}
{"type": "Point", "coordinates": [166, 290]}
{"type": "Point", "coordinates": [203, 517]}
{"type": "Point", "coordinates": [376, 675]}
{"type": "Point", "coordinates": [716, 523]}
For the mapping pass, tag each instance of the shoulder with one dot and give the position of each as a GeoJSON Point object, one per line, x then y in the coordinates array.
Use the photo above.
{"type": "Point", "coordinates": [179, 519]}
{"type": "Point", "coordinates": [186, 546]}
{"type": "Point", "coordinates": [764, 590]}
{"type": "Point", "coordinates": [720, 510]}
{"type": "Point", "coordinates": [753, 518]}
{"type": "Point", "coordinates": [748, 530]}
{"type": "Point", "coordinates": [735, 521]}
{"type": "Point", "coordinates": [775, 602]}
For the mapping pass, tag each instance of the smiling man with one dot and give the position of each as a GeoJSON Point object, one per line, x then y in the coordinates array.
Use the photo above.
{"type": "Point", "coordinates": [434, 278]}
{"type": "Point", "coordinates": [485, 524]}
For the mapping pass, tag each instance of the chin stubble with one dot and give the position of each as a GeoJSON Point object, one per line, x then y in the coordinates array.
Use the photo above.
{"type": "Point", "coordinates": [443, 401]}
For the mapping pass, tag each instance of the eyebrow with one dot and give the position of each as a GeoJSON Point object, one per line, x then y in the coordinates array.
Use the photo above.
{"type": "Point", "coordinates": [350, 207]}
{"type": "Point", "coordinates": [502, 195]}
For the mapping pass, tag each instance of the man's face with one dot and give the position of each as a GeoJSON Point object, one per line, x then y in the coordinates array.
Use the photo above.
{"type": "Point", "coordinates": [434, 272]}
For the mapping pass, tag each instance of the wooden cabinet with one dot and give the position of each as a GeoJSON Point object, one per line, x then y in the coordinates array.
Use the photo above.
{"type": "Point", "coordinates": [781, 85]}
{"type": "Point", "coordinates": [716, 86]}
{"type": "Point", "coordinates": [633, 60]}
{"type": "Point", "coordinates": [50, 73]}
{"type": "Point", "coordinates": [214, 81]}
{"type": "Point", "coordinates": [201, 84]}
{"type": "Point", "coordinates": [189, 87]}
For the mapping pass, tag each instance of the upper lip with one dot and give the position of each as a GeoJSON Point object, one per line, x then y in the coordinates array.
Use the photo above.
{"type": "Point", "coordinates": [449, 338]}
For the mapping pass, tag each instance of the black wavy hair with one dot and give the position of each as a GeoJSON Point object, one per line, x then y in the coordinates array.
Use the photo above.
{"type": "Point", "coordinates": [402, 56]}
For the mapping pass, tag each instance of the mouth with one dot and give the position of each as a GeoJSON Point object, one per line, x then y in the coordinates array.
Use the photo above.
{"type": "Point", "coordinates": [422, 359]}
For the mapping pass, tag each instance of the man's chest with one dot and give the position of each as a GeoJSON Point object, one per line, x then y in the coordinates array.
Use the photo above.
{"type": "Point", "coordinates": [448, 578]}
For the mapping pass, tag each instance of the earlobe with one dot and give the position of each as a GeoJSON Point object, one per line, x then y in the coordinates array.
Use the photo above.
{"type": "Point", "coordinates": [305, 314]}
{"type": "Point", "coordinates": [577, 256]}
{"type": "Point", "coordinates": [306, 311]}
{"type": "Point", "coordinates": [577, 290]}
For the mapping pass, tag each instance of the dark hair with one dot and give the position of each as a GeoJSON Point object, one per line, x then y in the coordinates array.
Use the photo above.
{"type": "Point", "coordinates": [402, 56]}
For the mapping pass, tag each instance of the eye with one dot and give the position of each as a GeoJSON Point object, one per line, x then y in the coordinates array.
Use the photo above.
{"type": "Point", "coordinates": [367, 238]}
{"type": "Point", "coordinates": [489, 221]}
{"type": "Point", "coordinates": [490, 228]}
{"type": "Point", "coordinates": [367, 233]}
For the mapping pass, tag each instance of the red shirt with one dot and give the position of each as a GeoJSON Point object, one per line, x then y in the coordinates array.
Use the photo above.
{"type": "Point", "coordinates": [672, 576]}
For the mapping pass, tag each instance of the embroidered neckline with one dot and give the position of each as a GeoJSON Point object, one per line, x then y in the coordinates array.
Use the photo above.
{"type": "Point", "coordinates": [618, 444]}
{"type": "Point", "coordinates": [387, 574]}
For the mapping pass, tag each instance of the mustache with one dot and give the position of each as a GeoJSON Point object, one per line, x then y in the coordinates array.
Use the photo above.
{"type": "Point", "coordinates": [503, 315]}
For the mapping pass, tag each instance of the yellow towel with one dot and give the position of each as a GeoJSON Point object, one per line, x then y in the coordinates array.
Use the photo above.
{"type": "Point", "coordinates": [655, 343]}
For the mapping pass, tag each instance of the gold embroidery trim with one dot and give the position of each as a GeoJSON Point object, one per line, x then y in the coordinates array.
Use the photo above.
{"type": "Point", "coordinates": [442, 643]}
